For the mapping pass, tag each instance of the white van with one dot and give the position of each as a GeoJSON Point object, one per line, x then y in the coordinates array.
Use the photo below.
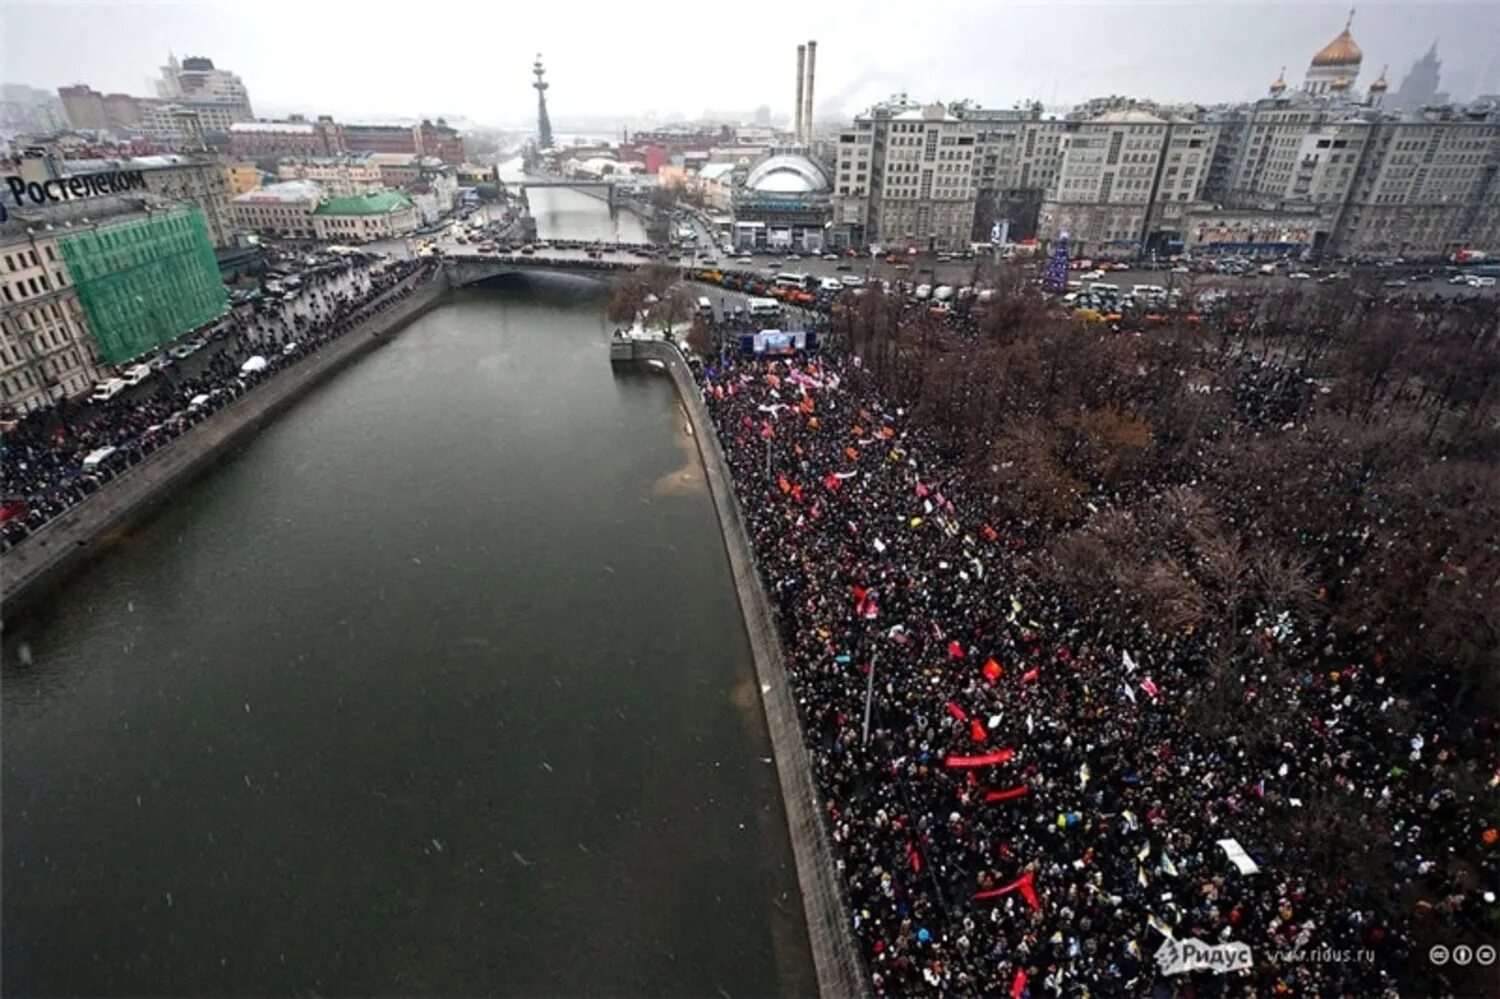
{"type": "Point", "coordinates": [833, 285]}
{"type": "Point", "coordinates": [1102, 288]}
{"type": "Point", "coordinates": [705, 307]}
{"type": "Point", "coordinates": [923, 292]}
{"type": "Point", "coordinates": [136, 374]}
{"type": "Point", "coordinates": [107, 390]}
{"type": "Point", "coordinates": [762, 308]}
{"type": "Point", "coordinates": [96, 458]}
{"type": "Point", "coordinates": [942, 293]}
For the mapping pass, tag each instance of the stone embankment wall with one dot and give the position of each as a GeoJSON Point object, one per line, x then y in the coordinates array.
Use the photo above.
{"type": "Point", "coordinates": [839, 970]}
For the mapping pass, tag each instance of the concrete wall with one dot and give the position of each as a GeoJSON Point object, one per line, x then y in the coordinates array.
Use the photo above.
{"type": "Point", "coordinates": [836, 960]}
{"type": "Point", "coordinates": [30, 569]}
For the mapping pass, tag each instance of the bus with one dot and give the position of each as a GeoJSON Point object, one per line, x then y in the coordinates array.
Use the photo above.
{"type": "Point", "coordinates": [791, 280]}
{"type": "Point", "coordinates": [762, 308]}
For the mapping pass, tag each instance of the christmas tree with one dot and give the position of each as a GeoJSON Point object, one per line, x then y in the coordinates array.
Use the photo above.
{"type": "Point", "coordinates": [1055, 277]}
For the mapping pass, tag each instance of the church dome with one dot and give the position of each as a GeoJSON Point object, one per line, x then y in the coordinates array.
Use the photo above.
{"type": "Point", "coordinates": [1340, 52]}
{"type": "Point", "coordinates": [1278, 85]}
{"type": "Point", "coordinates": [1380, 86]}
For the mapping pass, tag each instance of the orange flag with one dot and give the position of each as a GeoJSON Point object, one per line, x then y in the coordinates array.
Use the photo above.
{"type": "Point", "coordinates": [852, 454]}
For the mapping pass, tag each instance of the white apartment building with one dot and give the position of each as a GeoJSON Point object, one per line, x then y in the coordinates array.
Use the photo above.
{"type": "Point", "coordinates": [1428, 185]}
{"type": "Point", "coordinates": [905, 176]}
{"type": "Point", "coordinates": [195, 82]}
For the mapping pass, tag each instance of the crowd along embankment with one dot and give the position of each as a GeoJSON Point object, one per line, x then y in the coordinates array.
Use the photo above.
{"type": "Point", "coordinates": [29, 570]}
{"type": "Point", "coordinates": [836, 961]}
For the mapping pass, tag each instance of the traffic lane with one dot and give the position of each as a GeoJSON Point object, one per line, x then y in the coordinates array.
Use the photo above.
{"type": "Point", "coordinates": [962, 272]}
{"type": "Point", "coordinates": [267, 328]}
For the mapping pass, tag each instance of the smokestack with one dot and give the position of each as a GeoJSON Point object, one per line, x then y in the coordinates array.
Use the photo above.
{"type": "Point", "coordinates": [807, 96]}
{"type": "Point", "coordinates": [801, 79]}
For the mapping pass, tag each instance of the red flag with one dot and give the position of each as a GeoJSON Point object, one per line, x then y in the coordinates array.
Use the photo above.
{"type": "Point", "coordinates": [797, 493]}
{"type": "Point", "coordinates": [1148, 686]}
{"type": "Point", "coordinates": [832, 482]}
{"type": "Point", "coordinates": [1007, 794]}
{"type": "Point", "coordinates": [957, 712]}
{"type": "Point", "coordinates": [1023, 884]}
{"type": "Point", "coordinates": [914, 858]}
{"type": "Point", "coordinates": [992, 670]}
{"type": "Point", "coordinates": [990, 533]}
{"type": "Point", "coordinates": [955, 650]}
{"type": "Point", "coordinates": [1018, 986]}
{"type": "Point", "coordinates": [766, 431]}
{"type": "Point", "coordinates": [985, 760]}
{"type": "Point", "coordinates": [977, 732]}
{"type": "Point", "coordinates": [783, 484]}
{"type": "Point", "coordinates": [1031, 675]}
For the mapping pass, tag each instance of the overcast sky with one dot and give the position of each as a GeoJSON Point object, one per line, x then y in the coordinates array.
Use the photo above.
{"type": "Point", "coordinates": [374, 59]}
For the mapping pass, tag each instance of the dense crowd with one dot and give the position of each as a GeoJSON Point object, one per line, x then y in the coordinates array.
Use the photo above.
{"type": "Point", "coordinates": [44, 451]}
{"type": "Point", "coordinates": [1027, 814]}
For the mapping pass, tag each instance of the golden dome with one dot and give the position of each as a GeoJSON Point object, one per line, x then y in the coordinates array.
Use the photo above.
{"type": "Point", "coordinates": [1380, 86]}
{"type": "Point", "coordinates": [1341, 51]}
{"type": "Point", "coordinates": [1279, 84]}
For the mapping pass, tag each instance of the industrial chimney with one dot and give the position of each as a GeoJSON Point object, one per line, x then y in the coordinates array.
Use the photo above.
{"type": "Point", "coordinates": [807, 96]}
{"type": "Point", "coordinates": [801, 79]}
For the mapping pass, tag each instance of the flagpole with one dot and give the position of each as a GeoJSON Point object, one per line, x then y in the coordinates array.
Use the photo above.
{"type": "Point", "coordinates": [869, 696]}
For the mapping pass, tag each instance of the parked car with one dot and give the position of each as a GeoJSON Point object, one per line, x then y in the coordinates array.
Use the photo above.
{"type": "Point", "coordinates": [1481, 281]}
{"type": "Point", "coordinates": [1299, 276]}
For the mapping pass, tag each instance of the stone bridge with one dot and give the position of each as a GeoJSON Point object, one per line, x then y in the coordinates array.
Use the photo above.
{"type": "Point", "coordinates": [471, 268]}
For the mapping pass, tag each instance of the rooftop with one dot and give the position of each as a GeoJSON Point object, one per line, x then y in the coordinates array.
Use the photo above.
{"type": "Point", "coordinates": [273, 127]}
{"type": "Point", "coordinates": [381, 202]}
{"type": "Point", "coordinates": [787, 173]}
{"type": "Point", "coordinates": [287, 192]}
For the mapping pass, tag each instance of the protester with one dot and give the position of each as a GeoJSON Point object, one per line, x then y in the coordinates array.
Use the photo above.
{"type": "Point", "coordinates": [1028, 814]}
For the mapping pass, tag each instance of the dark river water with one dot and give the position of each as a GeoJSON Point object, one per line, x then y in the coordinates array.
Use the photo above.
{"type": "Point", "coordinates": [438, 686]}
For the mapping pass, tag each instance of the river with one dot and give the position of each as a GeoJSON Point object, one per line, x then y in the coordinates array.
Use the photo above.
{"type": "Point", "coordinates": [438, 686]}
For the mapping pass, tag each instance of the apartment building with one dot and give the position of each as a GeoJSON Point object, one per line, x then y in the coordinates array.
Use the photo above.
{"type": "Point", "coordinates": [905, 176]}
{"type": "Point", "coordinates": [46, 350]}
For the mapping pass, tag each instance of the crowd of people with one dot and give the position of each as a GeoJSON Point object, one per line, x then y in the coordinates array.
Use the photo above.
{"type": "Point", "coordinates": [1015, 804]}
{"type": "Point", "coordinates": [44, 451]}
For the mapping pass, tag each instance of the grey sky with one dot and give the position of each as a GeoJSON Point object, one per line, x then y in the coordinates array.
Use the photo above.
{"type": "Point", "coordinates": [377, 59]}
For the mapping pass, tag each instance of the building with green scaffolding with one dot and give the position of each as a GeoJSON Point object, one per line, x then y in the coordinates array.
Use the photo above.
{"type": "Point", "coordinates": [144, 279]}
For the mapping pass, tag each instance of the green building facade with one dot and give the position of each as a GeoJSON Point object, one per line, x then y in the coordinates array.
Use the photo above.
{"type": "Point", "coordinates": [145, 280]}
